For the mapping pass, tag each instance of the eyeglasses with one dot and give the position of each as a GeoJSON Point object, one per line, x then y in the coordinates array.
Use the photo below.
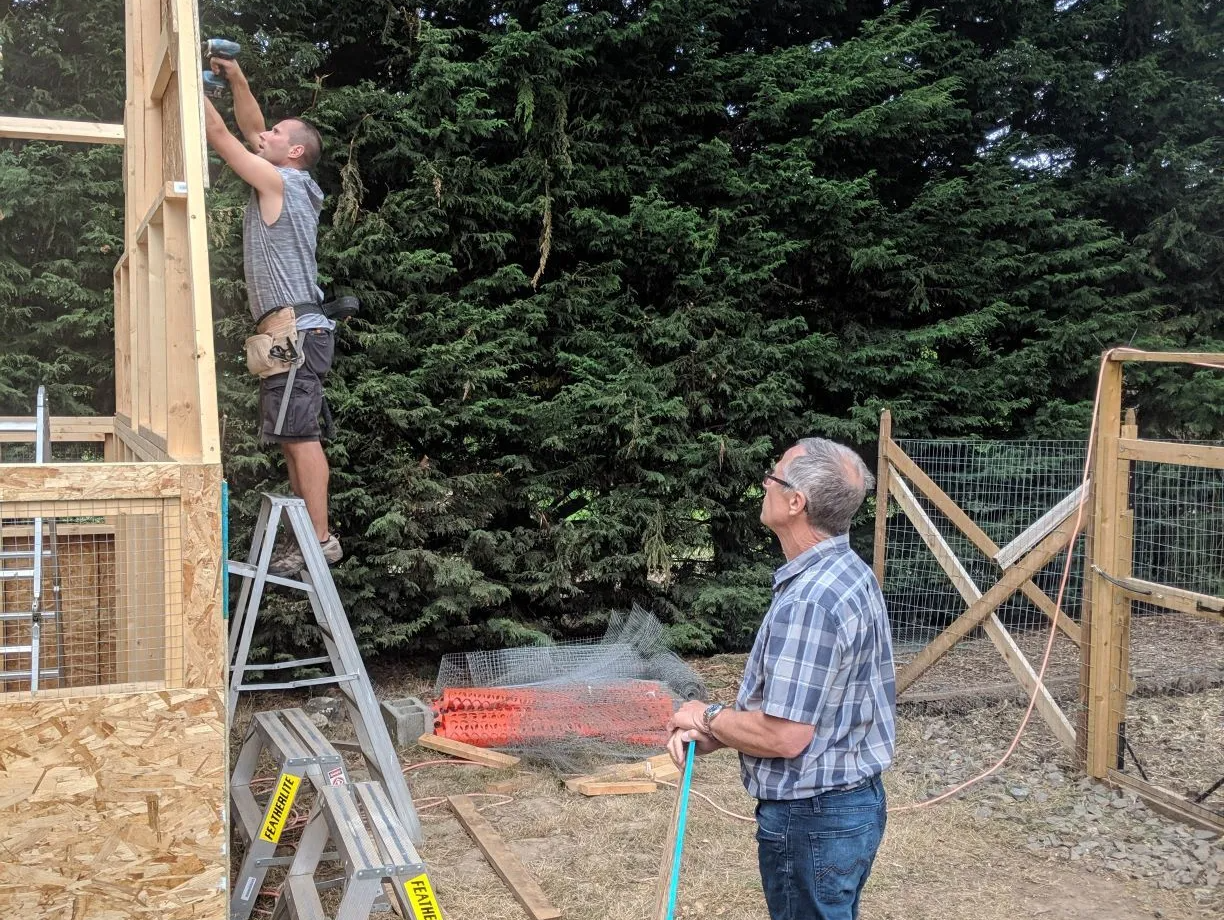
{"type": "Point", "coordinates": [780, 481]}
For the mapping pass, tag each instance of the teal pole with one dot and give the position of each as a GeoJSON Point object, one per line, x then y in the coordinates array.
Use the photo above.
{"type": "Point", "coordinates": [673, 885]}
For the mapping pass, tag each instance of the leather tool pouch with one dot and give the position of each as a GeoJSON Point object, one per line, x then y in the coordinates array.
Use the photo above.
{"type": "Point", "coordinates": [273, 349]}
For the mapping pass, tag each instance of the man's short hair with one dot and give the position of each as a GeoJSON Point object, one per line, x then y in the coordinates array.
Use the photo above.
{"type": "Point", "coordinates": [306, 134]}
{"type": "Point", "coordinates": [834, 481]}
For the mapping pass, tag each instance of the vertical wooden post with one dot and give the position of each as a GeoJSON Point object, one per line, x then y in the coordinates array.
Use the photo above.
{"type": "Point", "coordinates": [1124, 562]}
{"type": "Point", "coordinates": [882, 482]}
{"type": "Point", "coordinates": [1103, 713]}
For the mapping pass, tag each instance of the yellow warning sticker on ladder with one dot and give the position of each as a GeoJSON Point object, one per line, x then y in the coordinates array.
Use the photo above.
{"type": "Point", "coordinates": [421, 897]}
{"type": "Point", "coordinates": [282, 803]}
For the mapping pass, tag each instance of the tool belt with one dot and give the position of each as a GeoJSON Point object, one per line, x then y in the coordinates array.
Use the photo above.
{"type": "Point", "coordinates": [273, 349]}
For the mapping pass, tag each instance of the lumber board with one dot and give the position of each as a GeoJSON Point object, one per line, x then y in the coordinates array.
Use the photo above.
{"type": "Point", "coordinates": [594, 787]}
{"type": "Point", "coordinates": [1178, 599]}
{"type": "Point", "coordinates": [140, 446]}
{"type": "Point", "coordinates": [1041, 554]}
{"type": "Point", "coordinates": [1168, 803]}
{"type": "Point", "coordinates": [1031, 535]}
{"type": "Point", "coordinates": [995, 630]}
{"type": "Point", "coordinates": [60, 129]}
{"type": "Point", "coordinates": [522, 884]}
{"type": "Point", "coordinates": [70, 429]}
{"type": "Point", "coordinates": [1210, 456]}
{"type": "Point", "coordinates": [1102, 702]}
{"type": "Point", "coordinates": [112, 807]}
{"type": "Point", "coordinates": [938, 497]}
{"type": "Point", "coordinates": [1166, 357]}
{"type": "Point", "coordinates": [467, 751]}
{"type": "Point", "coordinates": [882, 484]}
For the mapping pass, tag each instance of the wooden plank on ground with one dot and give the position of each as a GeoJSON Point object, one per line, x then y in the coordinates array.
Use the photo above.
{"type": "Point", "coordinates": [521, 883]}
{"type": "Point", "coordinates": [467, 751]}
{"type": "Point", "coordinates": [927, 486]}
{"type": "Point", "coordinates": [658, 768]}
{"type": "Point", "coordinates": [593, 787]}
{"type": "Point", "coordinates": [1169, 803]}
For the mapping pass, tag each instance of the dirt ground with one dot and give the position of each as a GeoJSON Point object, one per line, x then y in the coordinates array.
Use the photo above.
{"type": "Point", "coordinates": [1034, 840]}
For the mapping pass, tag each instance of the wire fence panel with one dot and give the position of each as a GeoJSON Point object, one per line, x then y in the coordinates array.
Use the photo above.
{"type": "Point", "coordinates": [1003, 487]}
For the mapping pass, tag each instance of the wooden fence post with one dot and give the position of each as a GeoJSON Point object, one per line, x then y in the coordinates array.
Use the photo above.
{"type": "Point", "coordinates": [881, 515]}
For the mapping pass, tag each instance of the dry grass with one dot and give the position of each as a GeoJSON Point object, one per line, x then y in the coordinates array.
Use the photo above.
{"type": "Point", "coordinates": [599, 858]}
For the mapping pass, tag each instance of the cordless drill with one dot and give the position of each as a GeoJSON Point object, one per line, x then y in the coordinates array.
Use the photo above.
{"type": "Point", "coordinates": [215, 84]}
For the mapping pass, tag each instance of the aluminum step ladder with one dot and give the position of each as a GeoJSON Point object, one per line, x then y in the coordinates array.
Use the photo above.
{"type": "Point", "coordinates": [347, 670]}
{"type": "Point", "coordinates": [302, 757]}
{"type": "Point", "coordinates": [41, 556]}
{"type": "Point", "coordinates": [359, 822]}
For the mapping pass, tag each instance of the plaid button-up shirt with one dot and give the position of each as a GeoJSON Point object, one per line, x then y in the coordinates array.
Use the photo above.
{"type": "Point", "coordinates": [823, 656]}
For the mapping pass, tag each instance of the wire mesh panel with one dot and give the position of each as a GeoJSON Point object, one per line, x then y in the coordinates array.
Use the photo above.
{"type": "Point", "coordinates": [1179, 526]}
{"type": "Point", "coordinates": [1003, 487]}
{"type": "Point", "coordinates": [91, 586]}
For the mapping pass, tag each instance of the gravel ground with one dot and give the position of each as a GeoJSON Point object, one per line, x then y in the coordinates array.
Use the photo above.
{"type": "Point", "coordinates": [1038, 800]}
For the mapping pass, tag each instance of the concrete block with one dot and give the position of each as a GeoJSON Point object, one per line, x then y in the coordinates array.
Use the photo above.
{"type": "Point", "coordinates": [407, 719]}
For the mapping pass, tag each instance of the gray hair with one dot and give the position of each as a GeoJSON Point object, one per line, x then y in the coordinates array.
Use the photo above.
{"type": "Point", "coordinates": [833, 479]}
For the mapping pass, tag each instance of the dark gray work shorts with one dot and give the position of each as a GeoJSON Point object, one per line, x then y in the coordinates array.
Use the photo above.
{"type": "Point", "coordinates": [306, 399]}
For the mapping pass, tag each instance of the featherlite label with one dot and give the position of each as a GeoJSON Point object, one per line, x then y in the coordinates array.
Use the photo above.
{"type": "Point", "coordinates": [421, 897]}
{"type": "Point", "coordinates": [282, 802]}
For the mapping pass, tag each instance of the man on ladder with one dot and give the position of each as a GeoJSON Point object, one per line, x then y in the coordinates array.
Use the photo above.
{"type": "Point", "coordinates": [292, 349]}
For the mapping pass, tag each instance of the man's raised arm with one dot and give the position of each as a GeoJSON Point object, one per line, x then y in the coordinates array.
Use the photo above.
{"type": "Point", "coordinates": [246, 109]}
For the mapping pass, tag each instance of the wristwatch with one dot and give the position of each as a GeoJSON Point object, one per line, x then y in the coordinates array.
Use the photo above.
{"type": "Point", "coordinates": [708, 716]}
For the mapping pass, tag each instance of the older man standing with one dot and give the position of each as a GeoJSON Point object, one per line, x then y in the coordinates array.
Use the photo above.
{"type": "Point", "coordinates": [814, 718]}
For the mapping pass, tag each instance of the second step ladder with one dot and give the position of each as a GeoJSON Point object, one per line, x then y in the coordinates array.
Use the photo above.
{"type": "Point", "coordinates": [347, 670]}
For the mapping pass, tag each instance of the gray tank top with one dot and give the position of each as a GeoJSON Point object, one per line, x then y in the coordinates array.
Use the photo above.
{"type": "Point", "coordinates": [279, 260]}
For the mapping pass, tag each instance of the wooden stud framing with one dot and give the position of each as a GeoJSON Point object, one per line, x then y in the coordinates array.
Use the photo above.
{"type": "Point", "coordinates": [112, 797]}
{"type": "Point", "coordinates": [56, 129]}
{"type": "Point", "coordinates": [1205, 455]}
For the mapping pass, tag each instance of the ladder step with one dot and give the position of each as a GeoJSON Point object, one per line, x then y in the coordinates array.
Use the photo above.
{"type": "Point", "coordinates": [281, 665]}
{"type": "Point", "coordinates": [294, 684]}
{"type": "Point", "coordinates": [246, 570]}
{"type": "Point", "coordinates": [16, 649]}
{"type": "Point", "coordinates": [26, 674]}
{"type": "Point", "coordinates": [27, 615]}
{"type": "Point", "coordinates": [24, 553]}
{"type": "Point", "coordinates": [16, 573]}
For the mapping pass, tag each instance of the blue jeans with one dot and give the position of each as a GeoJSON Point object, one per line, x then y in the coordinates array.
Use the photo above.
{"type": "Point", "coordinates": [816, 853]}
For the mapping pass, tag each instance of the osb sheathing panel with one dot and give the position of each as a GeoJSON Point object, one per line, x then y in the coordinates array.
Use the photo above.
{"type": "Point", "coordinates": [204, 640]}
{"type": "Point", "coordinates": [111, 807]}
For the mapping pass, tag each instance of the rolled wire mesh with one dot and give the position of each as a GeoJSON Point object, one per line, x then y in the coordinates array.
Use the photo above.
{"type": "Point", "coordinates": [571, 704]}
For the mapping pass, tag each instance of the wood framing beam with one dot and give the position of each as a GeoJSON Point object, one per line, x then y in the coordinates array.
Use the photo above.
{"type": "Point", "coordinates": [999, 636]}
{"type": "Point", "coordinates": [163, 62]}
{"type": "Point", "coordinates": [1011, 581]}
{"type": "Point", "coordinates": [86, 482]}
{"type": "Point", "coordinates": [881, 515]}
{"type": "Point", "coordinates": [522, 884]}
{"type": "Point", "coordinates": [1106, 687]}
{"type": "Point", "coordinates": [941, 500]}
{"type": "Point", "coordinates": [1032, 534]}
{"type": "Point", "coordinates": [1204, 455]}
{"type": "Point", "coordinates": [141, 446]}
{"type": "Point", "coordinates": [1168, 803]}
{"type": "Point", "coordinates": [64, 428]}
{"type": "Point", "coordinates": [1215, 359]}
{"type": "Point", "coordinates": [58, 129]}
{"type": "Point", "coordinates": [1170, 598]}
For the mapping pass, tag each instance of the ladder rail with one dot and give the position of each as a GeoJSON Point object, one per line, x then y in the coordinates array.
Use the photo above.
{"type": "Point", "coordinates": [42, 551]}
